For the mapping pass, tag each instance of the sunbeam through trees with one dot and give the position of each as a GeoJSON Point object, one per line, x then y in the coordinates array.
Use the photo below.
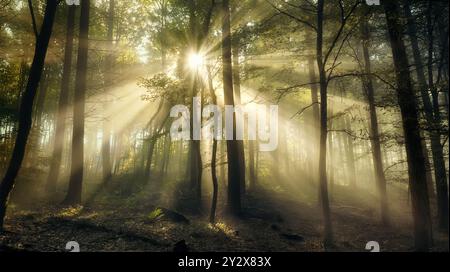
{"type": "Point", "coordinates": [224, 125]}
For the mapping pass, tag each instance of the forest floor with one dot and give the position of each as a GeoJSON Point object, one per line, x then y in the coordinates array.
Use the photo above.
{"type": "Point", "coordinates": [271, 221]}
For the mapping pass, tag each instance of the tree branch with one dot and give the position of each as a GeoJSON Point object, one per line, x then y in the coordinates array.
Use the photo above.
{"type": "Point", "coordinates": [33, 19]}
{"type": "Point", "coordinates": [300, 112]}
{"type": "Point", "coordinates": [292, 16]}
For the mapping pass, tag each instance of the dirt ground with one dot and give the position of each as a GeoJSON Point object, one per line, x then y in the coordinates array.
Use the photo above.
{"type": "Point", "coordinates": [271, 221]}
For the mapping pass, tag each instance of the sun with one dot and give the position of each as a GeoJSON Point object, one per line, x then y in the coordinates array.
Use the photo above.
{"type": "Point", "coordinates": [196, 61]}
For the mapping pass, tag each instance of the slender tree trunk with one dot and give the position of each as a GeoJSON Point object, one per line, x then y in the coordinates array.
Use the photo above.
{"type": "Point", "coordinates": [251, 164]}
{"type": "Point", "coordinates": [437, 148]}
{"type": "Point", "coordinates": [430, 185]}
{"type": "Point", "coordinates": [152, 142]}
{"type": "Point", "coordinates": [442, 20]}
{"type": "Point", "coordinates": [323, 185]}
{"type": "Point", "coordinates": [408, 108]}
{"type": "Point", "coordinates": [234, 171]}
{"type": "Point", "coordinates": [374, 131]}
{"type": "Point", "coordinates": [63, 104]}
{"type": "Point", "coordinates": [148, 164]}
{"type": "Point", "coordinates": [315, 110]}
{"type": "Point", "coordinates": [215, 182]}
{"type": "Point", "coordinates": [145, 142]}
{"type": "Point", "coordinates": [443, 71]}
{"type": "Point", "coordinates": [349, 153]}
{"type": "Point", "coordinates": [257, 162]}
{"type": "Point", "coordinates": [198, 34]}
{"type": "Point", "coordinates": [23, 72]}
{"type": "Point", "coordinates": [42, 93]}
{"type": "Point", "coordinates": [166, 152]}
{"type": "Point", "coordinates": [342, 145]}
{"type": "Point", "coordinates": [222, 174]}
{"type": "Point", "coordinates": [275, 165]}
{"type": "Point", "coordinates": [285, 147]}
{"type": "Point", "coordinates": [73, 196]}
{"type": "Point", "coordinates": [237, 99]}
{"type": "Point", "coordinates": [106, 138]}
{"type": "Point", "coordinates": [196, 167]}
{"type": "Point", "coordinates": [331, 173]}
{"type": "Point", "coordinates": [26, 106]}
{"type": "Point", "coordinates": [32, 154]}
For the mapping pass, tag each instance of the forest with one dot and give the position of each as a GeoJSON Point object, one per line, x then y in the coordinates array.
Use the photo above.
{"type": "Point", "coordinates": [224, 125]}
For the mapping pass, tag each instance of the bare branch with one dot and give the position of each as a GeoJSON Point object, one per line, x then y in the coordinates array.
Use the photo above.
{"type": "Point", "coordinates": [300, 112]}
{"type": "Point", "coordinates": [339, 33]}
{"type": "Point", "coordinates": [292, 16]}
{"type": "Point", "coordinates": [33, 19]}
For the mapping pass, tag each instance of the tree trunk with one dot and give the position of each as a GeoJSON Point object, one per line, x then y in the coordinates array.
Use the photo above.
{"type": "Point", "coordinates": [166, 152]}
{"type": "Point", "coordinates": [349, 153]}
{"type": "Point", "coordinates": [106, 137]}
{"type": "Point", "coordinates": [234, 171]}
{"type": "Point", "coordinates": [223, 154]}
{"type": "Point", "coordinates": [73, 196]}
{"type": "Point", "coordinates": [315, 113]}
{"type": "Point", "coordinates": [237, 98]}
{"type": "Point", "coordinates": [40, 101]}
{"type": "Point", "coordinates": [439, 162]}
{"type": "Point", "coordinates": [23, 72]}
{"type": "Point", "coordinates": [413, 144]}
{"type": "Point", "coordinates": [331, 173]}
{"type": "Point", "coordinates": [195, 157]}
{"type": "Point", "coordinates": [148, 164]}
{"type": "Point", "coordinates": [433, 122]}
{"type": "Point", "coordinates": [32, 154]}
{"type": "Point", "coordinates": [63, 103]}
{"type": "Point", "coordinates": [251, 164]}
{"type": "Point", "coordinates": [153, 138]}
{"type": "Point", "coordinates": [443, 44]}
{"type": "Point", "coordinates": [430, 185]}
{"type": "Point", "coordinates": [26, 106]}
{"type": "Point", "coordinates": [374, 131]}
{"type": "Point", "coordinates": [325, 203]}
{"type": "Point", "coordinates": [215, 183]}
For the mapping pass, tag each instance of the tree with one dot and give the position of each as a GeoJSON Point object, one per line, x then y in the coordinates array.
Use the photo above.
{"type": "Point", "coordinates": [349, 153]}
{"type": "Point", "coordinates": [73, 196]}
{"type": "Point", "coordinates": [215, 183]}
{"type": "Point", "coordinates": [26, 106]}
{"type": "Point", "coordinates": [237, 98]}
{"type": "Point", "coordinates": [200, 14]}
{"type": "Point", "coordinates": [323, 183]}
{"type": "Point", "coordinates": [433, 121]}
{"type": "Point", "coordinates": [413, 143]}
{"type": "Point", "coordinates": [106, 138]}
{"type": "Point", "coordinates": [234, 171]}
{"type": "Point", "coordinates": [374, 130]}
{"type": "Point", "coordinates": [63, 103]}
{"type": "Point", "coordinates": [325, 68]}
{"type": "Point", "coordinates": [315, 107]}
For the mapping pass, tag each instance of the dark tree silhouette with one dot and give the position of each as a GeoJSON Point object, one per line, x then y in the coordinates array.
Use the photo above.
{"type": "Point", "coordinates": [433, 122]}
{"type": "Point", "coordinates": [26, 106]}
{"type": "Point", "coordinates": [73, 196]}
{"type": "Point", "coordinates": [374, 130]}
{"type": "Point", "coordinates": [234, 171]}
{"type": "Point", "coordinates": [413, 142]}
{"type": "Point", "coordinates": [323, 183]}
